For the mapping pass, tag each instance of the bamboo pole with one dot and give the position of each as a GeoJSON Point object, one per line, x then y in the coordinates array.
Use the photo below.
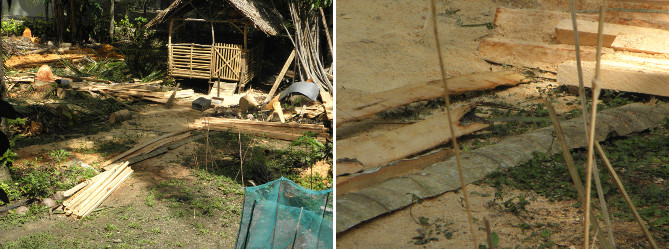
{"type": "Point", "coordinates": [628, 200]}
{"type": "Point", "coordinates": [571, 166]}
{"type": "Point", "coordinates": [451, 128]}
{"type": "Point", "coordinates": [596, 87]}
{"type": "Point", "coordinates": [83, 184]}
{"type": "Point", "coordinates": [95, 191]}
{"type": "Point", "coordinates": [78, 199]}
{"type": "Point", "coordinates": [102, 196]}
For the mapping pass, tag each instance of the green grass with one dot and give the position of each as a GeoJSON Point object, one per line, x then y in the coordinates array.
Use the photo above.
{"type": "Point", "coordinates": [641, 161]}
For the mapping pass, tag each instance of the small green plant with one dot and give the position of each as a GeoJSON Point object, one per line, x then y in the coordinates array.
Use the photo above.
{"type": "Point", "coordinates": [155, 230]}
{"type": "Point", "coordinates": [111, 228]}
{"type": "Point", "coordinates": [60, 156]}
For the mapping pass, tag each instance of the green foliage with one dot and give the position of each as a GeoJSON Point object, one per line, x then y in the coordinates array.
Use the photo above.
{"type": "Point", "coordinates": [12, 27]}
{"type": "Point", "coordinates": [59, 155]}
{"type": "Point", "coordinates": [639, 161]}
{"type": "Point", "coordinates": [316, 150]}
{"type": "Point", "coordinates": [315, 4]}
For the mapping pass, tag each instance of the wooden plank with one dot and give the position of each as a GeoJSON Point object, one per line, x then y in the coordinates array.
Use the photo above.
{"type": "Point", "coordinates": [139, 147]}
{"type": "Point", "coordinates": [619, 37]}
{"type": "Point", "coordinates": [282, 73]}
{"type": "Point", "coordinates": [511, 22]}
{"type": "Point", "coordinates": [347, 184]}
{"type": "Point", "coordinates": [621, 76]}
{"type": "Point", "coordinates": [328, 104]}
{"type": "Point", "coordinates": [640, 5]}
{"type": "Point", "coordinates": [587, 33]}
{"type": "Point", "coordinates": [402, 142]}
{"type": "Point", "coordinates": [369, 105]}
{"type": "Point", "coordinates": [276, 130]}
{"type": "Point", "coordinates": [532, 54]}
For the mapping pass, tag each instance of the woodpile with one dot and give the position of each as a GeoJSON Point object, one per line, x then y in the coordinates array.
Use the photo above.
{"type": "Point", "coordinates": [635, 54]}
{"type": "Point", "coordinates": [88, 195]}
{"type": "Point", "coordinates": [133, 91]}
{"type": "Point", "coordinates": [284, 131]}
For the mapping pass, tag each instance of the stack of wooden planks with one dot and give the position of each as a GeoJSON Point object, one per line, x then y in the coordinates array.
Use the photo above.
{"type": "Point", "coordinates": [88, 195]}
{"type": "Point", "coordinates": [134, 91]}
{"type": "Point", "coordinates": [635, 54]}
{"type": "Point", "coordinates": [275, 130]}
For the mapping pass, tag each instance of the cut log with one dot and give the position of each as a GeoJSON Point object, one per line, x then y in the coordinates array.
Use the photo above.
{"type": "Point", "coordinates": [366, 106]}
{"type": "Point", "coordinates": [645, 78]}
{"type": "Point", "coordinates": [532, 54]}
{"type": "Point", "coordinates": [120, 116]}
{"type": "Point", "coordinates": [347, 184]}
{"type": "Point", "coordinates": [402, 142]}
{"type": "Point", "coordinates": [247, 102]}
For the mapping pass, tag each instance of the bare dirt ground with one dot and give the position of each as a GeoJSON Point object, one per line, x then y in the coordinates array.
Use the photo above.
{"type": "Point", "coordinates": [385, 45]}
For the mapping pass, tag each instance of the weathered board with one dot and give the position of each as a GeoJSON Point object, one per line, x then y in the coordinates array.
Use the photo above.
{"type": "Point", "coordinates": [368, 105]}
{"type": "Point", "coordinates": [646, 78]}
{"type": "Point", "coordinates": [359, 206]}
{"type": "Point", "coordinates": [405, 141]}
{"type": "Point", "coordinates": [532, 54]}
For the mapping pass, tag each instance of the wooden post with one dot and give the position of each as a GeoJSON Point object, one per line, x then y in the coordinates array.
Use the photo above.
{"type": "Point", "coordinates": [169, 46]}
{"type": "Point", "coordinates": [327, 31]}
{"type": "Point", "coordinates": [280, 77]}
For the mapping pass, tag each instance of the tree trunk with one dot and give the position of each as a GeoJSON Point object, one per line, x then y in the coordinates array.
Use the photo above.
{"type": "Point", "coordinates": [73, 26]}
{"type": "Point", "coordinates": [111, 23]}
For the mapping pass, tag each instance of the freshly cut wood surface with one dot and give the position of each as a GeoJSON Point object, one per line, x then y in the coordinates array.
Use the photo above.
{"type": "Point", "coordinates": [328, 104]}
{"type": "Point", "coordinates": [587, 33]}
{"type": "Point", "coordinates": [347, 184]}
{"type": "Point", "coordinates": [645, 77]}
{"type": "Point", "coordinates": [619, 37]}
{"type": "Point", "coordinates": [350, 110]}
{"type": "Point", "coordinates": [512, 23]}
{"type": "Point", "coordinates": [402, 142]}
{"type": "Point", "coordinates": [139, 147]}
{"type": "Point", "coordinates": [276, 130]}
{"type": "Point", "coordinates": [532, 54]}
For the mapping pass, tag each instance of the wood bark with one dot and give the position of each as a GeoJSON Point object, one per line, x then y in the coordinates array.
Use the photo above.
{"type": "Point", "coordinates": [368, 105]}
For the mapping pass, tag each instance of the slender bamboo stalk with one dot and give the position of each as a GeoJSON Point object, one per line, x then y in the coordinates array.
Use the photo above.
{"type": "Point", "coordinates": [571, 167]}
{"type": "Point", "coordinates": [450, 126]}
{"type": "Point", "coordinates": [602, 154]}
{"type": "Point", "coordinates": [596, 87]}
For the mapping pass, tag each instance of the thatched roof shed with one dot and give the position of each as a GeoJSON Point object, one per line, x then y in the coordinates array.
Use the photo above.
{"type": "Point", "coordinates": [264, 16]}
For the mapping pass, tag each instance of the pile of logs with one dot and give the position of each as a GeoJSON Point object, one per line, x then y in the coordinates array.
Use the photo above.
{"type": "Point", "coordinates": [274, 130]}
{"type": "Point", "coordinates": [88, 195]}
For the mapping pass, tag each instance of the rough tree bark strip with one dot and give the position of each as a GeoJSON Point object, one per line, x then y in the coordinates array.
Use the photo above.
{"type": "Point", "coordinates": [356, 207]}
{"type": "Point", "coordinates": [402, 142]}
{"type": "Point", "coordinates": [347, 184]}
{"type": "Point", "coordinates": [369, 105]}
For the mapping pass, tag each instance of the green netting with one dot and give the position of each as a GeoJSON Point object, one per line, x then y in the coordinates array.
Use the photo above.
{"type": "Point", "coordinates": [282, 214]}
